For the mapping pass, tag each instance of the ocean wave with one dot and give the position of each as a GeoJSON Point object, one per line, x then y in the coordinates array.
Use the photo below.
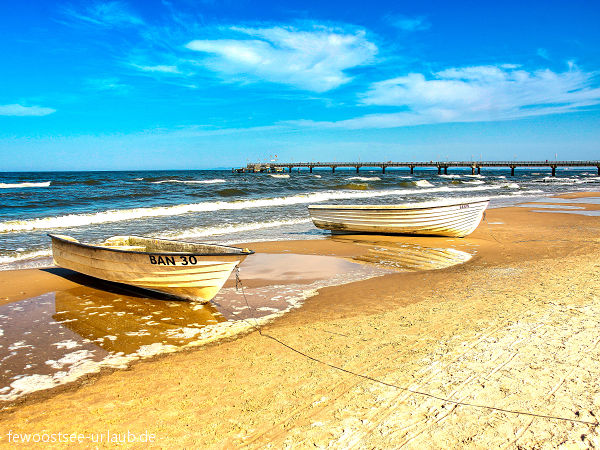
{"type": "Point", "coordinates": [119, 215]}
{"type": "Point", "coordinates": [213, 181]}
{"type": "Point", "coordinates": [473, 182]}
{"type": "Point", "coordinates": [422, 183]}
{"type": "Point", "coordinates": [228, 229]}
{"type": "Point", "coordinates": [24, 185]}
{"type": "Point", "coordinates": [74, 182]}
{"type": "Point", "coordinates": [231, 192]}
{"type": "Point", "coordinates": [511, 186]}
{"type": "Point", "coordinates": [590, 180]}
{"type": "Point", "coordinates": [364, 178]}
{"type": "Point", "coordinates": [449, 176]}
{"type": "Point", "coordinates": [31, 254]}
{"type": "Point", "coordinates": [275, 175]}
{"type": "Point", "coordinates": [558, 180]}
{"type": "Point", "coordinates": [354, 186]}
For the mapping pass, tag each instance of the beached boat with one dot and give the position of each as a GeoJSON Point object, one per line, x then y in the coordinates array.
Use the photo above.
{"type": "Point", "coordinates": [455, 218]}
{"type": "Point", "coordinates": [185, 270]}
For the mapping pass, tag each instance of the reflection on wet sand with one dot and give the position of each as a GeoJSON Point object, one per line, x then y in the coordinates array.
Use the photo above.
{"type": "Point", "coordinates": [62, 335]}
{"type": "Point", "coordinates": [57, 337]}
{"type": "Point", "coordinates": [407, 256]}
{"type": "Point", "coordinates": [119, 323]}
{"type": "Point", "coordinates": [411, 257]}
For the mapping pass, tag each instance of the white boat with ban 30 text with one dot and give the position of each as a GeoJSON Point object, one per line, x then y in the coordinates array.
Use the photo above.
{"type": "Point", "coordinates": [449, 217]}
{"type": "Point", "coordinates": [186, 270]}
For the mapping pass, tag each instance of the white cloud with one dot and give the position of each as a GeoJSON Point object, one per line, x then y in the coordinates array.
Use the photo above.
{"type": "Point", "coordinates": [111, 13]}
{"type": "Point", "coordinates": [473, 94]}
{"type": "Point", "coordinates": [314, 60]}
{"type": "Point", "coordinates": [158, 68]}
{"type": "Point", "coordinates": [20, 110]}
{"type": "Point", "coordinates": [407, 23]}
{"type": "Point", "coordinates": [107, 84]}
{"type": "Point", "coordinates": [543, 53]}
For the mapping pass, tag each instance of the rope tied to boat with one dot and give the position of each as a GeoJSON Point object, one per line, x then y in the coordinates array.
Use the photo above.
{"type": "Point", "coordinates": [238, 282]}
{"type": "Point", "coordinates": [455, 403]}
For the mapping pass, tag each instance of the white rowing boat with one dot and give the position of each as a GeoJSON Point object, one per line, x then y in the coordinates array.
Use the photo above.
{"type": "Point", "coordinates": [455, 218]}
{"type": "Point", "coordinates": [185, 270]}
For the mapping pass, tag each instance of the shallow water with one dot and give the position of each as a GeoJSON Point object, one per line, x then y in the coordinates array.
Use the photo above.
{"type": "Point", "coordinates": [60, 336]}
{"type": "Point", "coordinates": [570, 211]}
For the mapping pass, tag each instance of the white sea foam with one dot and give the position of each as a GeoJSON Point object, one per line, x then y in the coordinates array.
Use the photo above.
{"type": "Point", "coordinates": [283, 175]}
{"type": "Point", "coordinates": [26, 255]}
{"type": "Point", "coordinates": [17, 345]}
{"type": "Point", "coordinates": [559, 180]}
{"type": "Point", "coordinates": [228, 229]}
{"type": "Point", "coordinates": [449, 176]}
{"type": "Point", "coordinates": [511, 186]}
{"type": "Point", "coordinates": [474, 182]}
{"type": "Point", "coordinates": [213, 181]}
{"type": "Point", "coordinates": [23, 185]}
{"type": "Point", "coordinates": [66, 344]}
{"type": "Point", "coordinates": [183, 333]}
{"type": "Point", "coordinates": [116, 215]}
{"type": "Point", "coordinates": [317, 176]}
{"type": "Point", "coordinates": [71, 359]}
{"type": "Point", "coordinates": [364, 178]}
{"type": "Point", "coordinates": [423, 183]}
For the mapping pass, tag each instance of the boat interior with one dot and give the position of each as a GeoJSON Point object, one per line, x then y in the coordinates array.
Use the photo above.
{"type": "Point", "coordinates": [142, 244]}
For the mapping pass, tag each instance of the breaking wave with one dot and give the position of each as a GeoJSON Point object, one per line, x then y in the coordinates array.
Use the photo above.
{"type": "Point", "coordinates": [364, 178]}
{"type": "Point", "coordinates": [213, 181]}
{"type": "Point", "coordinates": [228, 229]}
{"type": "Point", "coordinates": [118, 215]}
{"type": "Point", "coordinates": [23, 185]}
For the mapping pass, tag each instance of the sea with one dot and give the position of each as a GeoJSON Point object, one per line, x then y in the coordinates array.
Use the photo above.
{"type": "Point", "coordinates": [224, 207]}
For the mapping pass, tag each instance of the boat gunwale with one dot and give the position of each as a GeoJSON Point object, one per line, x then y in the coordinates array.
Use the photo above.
{"type": "Point", "coordinates": [240, 252]}
{"type": "Point", "coordinates": [401, 207]}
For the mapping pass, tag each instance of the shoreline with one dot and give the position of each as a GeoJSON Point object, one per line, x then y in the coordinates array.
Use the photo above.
{"type": "Point", "coordinates": [393, 327]}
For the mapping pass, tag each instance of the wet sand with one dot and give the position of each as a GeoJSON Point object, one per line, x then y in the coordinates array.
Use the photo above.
{"type": "Point", "coordinates": [514, 328]}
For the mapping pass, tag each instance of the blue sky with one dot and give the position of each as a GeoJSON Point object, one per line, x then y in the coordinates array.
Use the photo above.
{"type": "Point", "coordinates": [204, 84]}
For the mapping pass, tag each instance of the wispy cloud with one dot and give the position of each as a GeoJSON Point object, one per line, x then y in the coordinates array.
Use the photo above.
{"type": "Point", "coordinates": [107, 84]}
{"type": "Point", "coordinates": [158, 68]}
{"type": "Point", "coordinates": [313, 60]}
{"type": "Point", "coordinates": [473, 94]}
{"type": "Point", "coordinates": [543, 53]}
{"type": "Point", "coordinates": [406, 23]}
{"type": "Point", "coordinates": [20, 110]}
{"type": "Point", "coordinates": [106, 14]}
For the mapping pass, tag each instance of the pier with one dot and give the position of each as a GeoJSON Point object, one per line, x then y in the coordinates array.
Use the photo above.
{"type": "Point", "coordinates": [442, 166]}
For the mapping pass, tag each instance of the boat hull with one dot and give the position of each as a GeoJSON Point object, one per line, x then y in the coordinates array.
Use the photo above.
{"type": "Point", "coordinates": [454, 220]}
{"type": "Point", "coordinates": [188, 275]}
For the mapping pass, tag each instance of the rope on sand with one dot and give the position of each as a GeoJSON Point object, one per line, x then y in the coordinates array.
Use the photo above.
{"type": "Point", "coordinates": [256, 326]}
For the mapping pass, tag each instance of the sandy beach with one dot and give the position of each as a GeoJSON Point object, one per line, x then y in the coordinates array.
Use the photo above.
{"type": "Point", "coordinates": [498, 351]}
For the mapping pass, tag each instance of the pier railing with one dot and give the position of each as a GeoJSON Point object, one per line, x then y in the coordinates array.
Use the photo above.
{"type": "Point", "coordinates": [440, 165]}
